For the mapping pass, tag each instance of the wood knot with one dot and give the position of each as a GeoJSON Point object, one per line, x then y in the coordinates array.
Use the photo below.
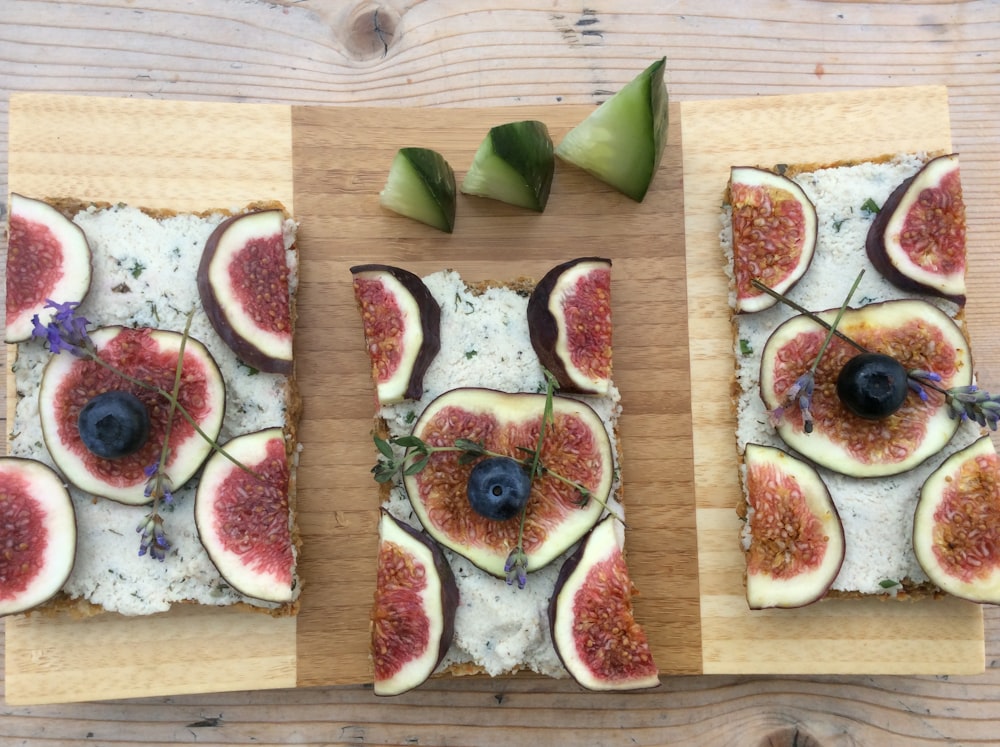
{"type": "Point", "coordinates": [368, 30]}
{"type": "Point", "coordinates": [790, 736]}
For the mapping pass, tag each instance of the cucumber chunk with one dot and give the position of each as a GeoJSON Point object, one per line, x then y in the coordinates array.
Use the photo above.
{"type": "Point", "coordinates": [514, 164]}
{"type": "Point", "coordinates": [622, 141]}
{"type": "Point", "coordinates": [421, 186]}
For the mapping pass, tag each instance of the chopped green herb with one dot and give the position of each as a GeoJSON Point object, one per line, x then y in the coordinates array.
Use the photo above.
{"type": "Point", "coordinates": [137, 269]}
{"type": "Point", "coordinates": [870, 206]}
{"type": "Point", "coordinates": [411, 415]}
{"type": "Point", "coordinates": [470, 354]}
{"type": "Point", "coordinates": [745, 347]}
{"type": "Point", "coordinates": [838, 223]}
{"type": "Point", "coordinates": [888, 583]}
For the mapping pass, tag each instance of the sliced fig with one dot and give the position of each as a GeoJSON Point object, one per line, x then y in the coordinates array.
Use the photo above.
{"type": "Point", "coordinates": [917, 240]}
{"type": "Point", "coordinates": [796, 540]}
{"type": "Point", "coordinates": [774, 234]}
{"type": "Point", "coordinates": [149, 355]}
{"type": "Point", "coordinates": [37, 534]}
{"type": "Point", "coordinates": [48, 258]}
{"type": "Point", "coordinates": [402, 323]}
{"type": "Point", "coordinates": [918, 335]}
{"type": "Point", "coordinates": [243, 282]}
{"type": "Point", "coordinates": [569, 318]}
{"type": "Point", "coordinates": [576, 446]}
{"type": "Point", "coordinates": [956, 526]}
{"type": "Point", "coordinates": [413, 618]}
{"type": "Point", "coordinates": [593, 626]}
{"type": "Point", "coordinates": [244, 519]}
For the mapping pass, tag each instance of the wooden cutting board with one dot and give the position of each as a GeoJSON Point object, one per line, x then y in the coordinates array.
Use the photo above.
{"type": "Point", "coordinates": [328, 164]}
{"type": "Point", "coordinates": [836, 636]}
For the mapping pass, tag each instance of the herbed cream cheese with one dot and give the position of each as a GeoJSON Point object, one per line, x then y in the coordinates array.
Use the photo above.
{"type": "Point", "coordinates": [485, 343]}
{"type": "Point", "coordinates": [145, 275]}
{"type": "Point", "coordinates": [877, 513]}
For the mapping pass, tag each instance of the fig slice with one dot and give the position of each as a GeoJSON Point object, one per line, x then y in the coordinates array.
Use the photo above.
{"type": "Point", "coordinates": [956, 525]}
{"type": "Point", "coordinates": [48, 258]}
{"type": "Point", "coordinates": [37, 532]}
{"type": "Point", "coordinates": [917, 240]}
{"type": "Point", "coordinates": [413, 617]}
{"type": "Point", "coordinates": [243, 281]}
{"type": "Point", "coordinates": [914, 332]}
{"type": "Point", "coordinates": [593, 625]}
{"type": "Point", "coordinates": [576, 446]}
{"type": "Point", "coordinates": [244, 520]}
{"type": "Point", "coordinates": [151, 356]}
{"type": "Point", "coordinates": [569, 319]}
{"type": "Point", "coordinates": [796, 540]}
{"type": "Point", "coordinates": [402, 325]}
{"type": "Point", "coordinates": [774, 234]}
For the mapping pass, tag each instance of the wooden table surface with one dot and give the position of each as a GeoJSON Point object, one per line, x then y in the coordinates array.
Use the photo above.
{"type": "Point", "coordinates": [505, 53]}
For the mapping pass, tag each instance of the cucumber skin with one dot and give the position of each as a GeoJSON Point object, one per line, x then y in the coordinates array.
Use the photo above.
{"type": "Point", "coordinates": [514, 164]}
{"type": "Point", "coordinates": [421, 186]}
{"type": "Point", "coordinates": [630, 158]}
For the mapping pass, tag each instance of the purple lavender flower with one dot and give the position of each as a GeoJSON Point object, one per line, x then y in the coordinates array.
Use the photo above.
{"type": "Point", "coordinates": [516, 568]}
{"type": "Point", "coordinates": [153, 539]}
{"type": "Point", "coordinates": [799, 393]}
{"type": "Point", "coordinates": [65, 330]}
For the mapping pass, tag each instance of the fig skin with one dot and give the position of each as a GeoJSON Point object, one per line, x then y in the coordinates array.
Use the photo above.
{"type": "Point", "coordinates": [252, 450]}
{"type": "Point", "coordinates": [834, 454]}
{"type": "Point", "coordinates": [246, 349]}
{"type": "Point", "coordinates": [187, 455]}
{"type": "Point", "coordinates": [430, 324]}
{"type": "Point", "coordinates": [763, 591]}
{"type": "Point", "coordinates": [55, 510]}
{"type": "Point", "coordinates": [544, 329]}
{"type": "Point", "coordinates": [982, 587]}
{"type": "Point", "coordinates": [600, 544]}
{"type": "Point", "coordinates": [72, 285]}
{"type": "Point", "coordinates": [755, 176]}
{"type": "Point", "coordinates": [879, 255]}
{"type": "Point", "coordinates": [449, 599]}
{"type": "Point", "coordinates": [511, 410]}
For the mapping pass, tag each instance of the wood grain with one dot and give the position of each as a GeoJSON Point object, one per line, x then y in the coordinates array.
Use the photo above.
{"type": "Point", "coordinates": [456, 53]}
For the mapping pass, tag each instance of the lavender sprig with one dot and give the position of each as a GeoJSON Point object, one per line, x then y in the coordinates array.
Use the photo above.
{"type": "Point", "coordinates": [964, 402]}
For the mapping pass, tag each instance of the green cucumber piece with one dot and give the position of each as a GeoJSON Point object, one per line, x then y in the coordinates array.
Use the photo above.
{"type": "Point", "coordinates": [514, 164]}
{"type": "Point", "coordinates": [421, 185]}
{"type": "Point", "coordinates": [622, 141]}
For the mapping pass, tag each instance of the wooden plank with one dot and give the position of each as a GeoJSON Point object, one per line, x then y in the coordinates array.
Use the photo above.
{"type": "Point", "coordinates": [834, 636]}
{"type": "Point", "coordinates": [186, 156]}
{"type": "Point", "coordinates": [342, 157]}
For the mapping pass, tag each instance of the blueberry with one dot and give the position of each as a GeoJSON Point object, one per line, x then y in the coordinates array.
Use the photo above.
{"type": "Point", "coordinates": [872, 385]}
{"type": "Point", "coordinates": [498, 488]}
{"type": "Point", "coordinates": [114, 424]}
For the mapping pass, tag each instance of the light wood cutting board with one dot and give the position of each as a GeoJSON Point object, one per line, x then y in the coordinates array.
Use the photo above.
{"type": "Point", "coordinates": [835, 636]}
{"type": "Point", "coordinates": [328, 165]}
